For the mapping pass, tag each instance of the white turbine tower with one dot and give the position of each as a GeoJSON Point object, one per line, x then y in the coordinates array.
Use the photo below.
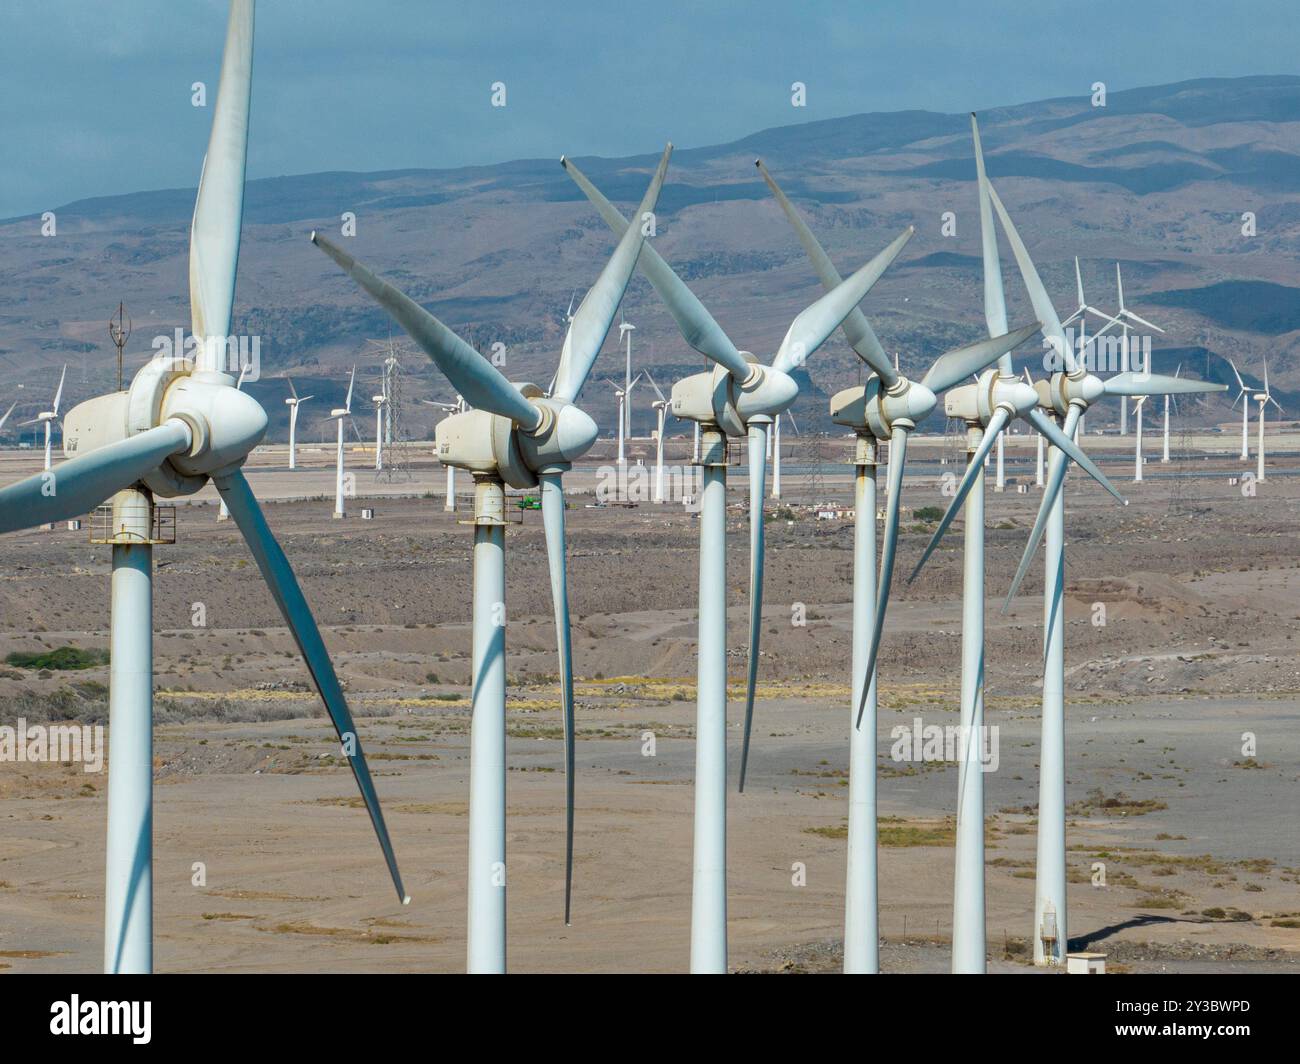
{"type": "Point", "coordinates": [1242, 393]}
{"type": "Point", "coordinates": [625, 329]}
{"type": "Point", "coordinates": [1138, 402]}
{"type": "Point", "coordinates": [48, 417]}
{"type": "Point", "coordinates": [776, 449]}
{"type": "Point", "coordinates": [1066, 395]}
{"type": "Point", "coordinates": [987, 407]}
{"type": "Point", "coordinates": [519, 436]}
{"type": "Point", "coordinates": [180, 425]}
{"type": "Point", "coordinates": [341, 414]}
{"type": "Point", "coordinates": [380, 402]}
{"type": "Point", "coordinates": [661, 407]}
{"type": "Point", "coordinates": [294, 402]}
{"type": "Point", "coordinates": [1164, 454]}
{"type": "Point", "coordinates": [1263, 399]}
{"type": "Point", "coordinates": [737, 398]}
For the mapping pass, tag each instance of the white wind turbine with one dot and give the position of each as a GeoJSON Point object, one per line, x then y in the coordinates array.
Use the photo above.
{"type": "Point", "coordinates": [737, 398]}
{"type": "Point", "coordinates": [1126, 319]}
{"type": "Point", "coordinates": [294, 402]}
{"type": "Point", "coordinates": [458, 407]}
{"type": "Point", "coordinates": [180, 425]}
{"type": "Point", "coordinates": [1242, 392]}
{"type": "Point", "coordinates": [661, 407]}
{"type": "Point", "coordinates": [625, 329]}
{"type": "Point", "coordinates": [624, 397]}
{"type": "Point", "coordinates": [341, 414]}
{"type": "Point", "coordinates": [6, 414]}
{"type": "Point", "coordinates": [1138, 460]}
{"type": "Point", "coordinates": [48, 417]}
{"type": "Point", "coordinates": [1066, 395]}
{"type": "Point", "coordinates": [516, 435]}
{"type": "Point", "coordinates": [1263, 399]}
{"type": "Point", "coordinates": [987, 407]}
{"type": "Point", "coordinates": [380, 402]}
{"type": "Point", "coordinates": [776, 449]}
{"type": "Point", "coordinates": [1164, 454]}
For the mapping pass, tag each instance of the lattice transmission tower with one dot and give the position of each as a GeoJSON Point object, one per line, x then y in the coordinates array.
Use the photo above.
{"type": "Point", "coordinates": [396, 435]}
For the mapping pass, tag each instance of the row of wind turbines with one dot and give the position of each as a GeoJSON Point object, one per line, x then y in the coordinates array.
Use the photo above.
{"type": "Point", "coordinates": [183, 424]}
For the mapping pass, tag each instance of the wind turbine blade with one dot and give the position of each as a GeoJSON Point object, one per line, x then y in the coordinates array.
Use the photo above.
{"type": "Point", "coordinates": [1276, 404]}
{"type": "Point", "coordinates": [1042, 303]}
{"type": "Point", "coordinates": [1131, 383]}
{"type": "Point", "coordinates": [1056, 468]}
{"type": "Point", "coordinates": [1065, 442]}
{"type": "Point", "coordinates": [897, 457]}
{"type": "Point", "coordinates": [1266, 376]}
{"type": "Point", "coordinates": [58, 394]}
{"type": "Point", "coordinates": [857, 330]}
{"type": "Point", "coordinates": [1142, 321]}
{"type": "Point", "coordinates": [469, 372]}
{"type": "Point", "coordinates": [283, 585]}
{"type": "Point", "coordinates": [347, 405]}
{"type": "Point", "coordinates": [647, 377]}
{"type": "Point", "coordinates": [694, 322]}
{"type": "Point", "coordinates": [553, 521]}
{"type": "Point", "coordinates": [1240, 383]}
{"type": "Point", "coordinates": [757, 486]}
{"type": "Point", "coordinates": [80, 484]}
{"type": "Point", "coordinates": [811, 328]}
{"type": "Point", "coordinates": [595, 313]}
{"type": "Point", "coordinates": [995, 304]}
{"type": "Point", "coordinates": [974, 468]}
{"type": "Point", "coordinates": [955, 366]}
{"type": "Point", "coordinates": [7, 413]}
{"type": "Point", "coordinates": [1078, 280]}
{"type": "Point", "coordinates": [292, 390]}
{"type": "Point", "coordinates": [1119, 288]}
{"type": "Point", "coordinates": [305, 398]}
{"type": "Point", "coordinates": [219, 209]}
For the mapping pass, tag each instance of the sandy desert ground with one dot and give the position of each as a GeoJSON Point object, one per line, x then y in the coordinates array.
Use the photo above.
{"type": "Point", "coordinates": [1201, 589]}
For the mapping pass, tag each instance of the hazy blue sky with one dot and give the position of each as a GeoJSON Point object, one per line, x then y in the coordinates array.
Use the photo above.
{"type": "Point", "coordinates": [96, 95]}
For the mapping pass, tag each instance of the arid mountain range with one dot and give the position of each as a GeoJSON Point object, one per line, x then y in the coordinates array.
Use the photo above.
{"type": "Point", "coordinates": [1165, 181]}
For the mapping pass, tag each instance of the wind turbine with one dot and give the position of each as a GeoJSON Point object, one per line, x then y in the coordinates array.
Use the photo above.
{"type": "Point", "coordinates": [379, 401]}
{"type": "Point", "coordinates": [623, 396]}
{"type": "Point", "coordinates": [48, 417]}
{"type": "Point", "coordinates": [1242, 392]}
{"type": "Point", "coordinates": [458, 407]}
{"type": "Point", "coordinates": [737, 398]}
{"type": "Point", "coordinates": [1125, 318]}
{"type": "Point", "coordinates": [1164, 454]}
{"type": "Point", "coordinates": [1066, 395]}
{"type": "Point", "coordinates": [294, 402]}
{"type": "Point", "coordinates": [1137, 439]}
{"type": "Point", "coordinates": [987, 407]}
{"type": "Point", "coordinates": [661, 407]}
{"type": "Point", "coordinates": [180, 425]}
{"type": "Point", "coordinates": [626, 329]}
{"type": "Point", "coordinates": [340, 414]}
{"type": "Point", "coordinates": [1263, 399]}
{"type": "Point", "coordinates": [5, 417]}
{"type": "Point", "coordinates": [776, 449]}
{"type": "Point", "coordinates": [519, 436]}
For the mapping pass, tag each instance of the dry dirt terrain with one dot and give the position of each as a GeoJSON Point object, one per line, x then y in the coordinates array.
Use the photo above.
{"type": "Point", "coordinates": [1199, 585]}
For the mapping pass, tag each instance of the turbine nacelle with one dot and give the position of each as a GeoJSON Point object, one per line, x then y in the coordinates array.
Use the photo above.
{"type": "Point", "coordinates": [975, 403]}
{"type": "Point", "coordinates": [492, 445]}
{"type": "Point", "coordinates": [717, 398]}
{"type": "Point", "coordinates": [1057, 392]}
{"type": "Point", "coordinates": [872, 408]}
{"type": "Point", "coordinates": [225, 424]}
